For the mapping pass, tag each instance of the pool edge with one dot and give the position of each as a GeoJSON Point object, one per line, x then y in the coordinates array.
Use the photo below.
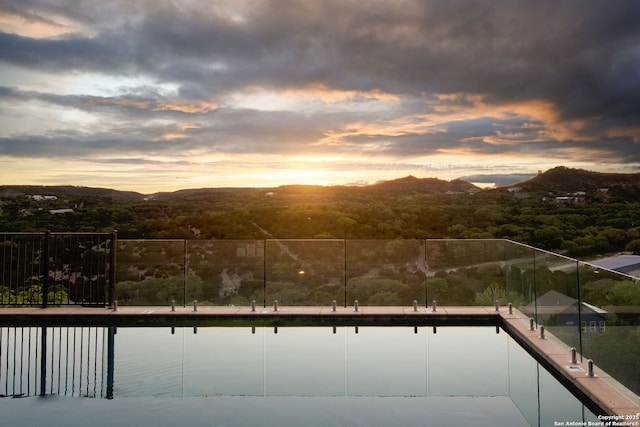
{"type": "Point", "coordinates": [598, 390]}
{"type": "Point", "coordinates": [555, 356]}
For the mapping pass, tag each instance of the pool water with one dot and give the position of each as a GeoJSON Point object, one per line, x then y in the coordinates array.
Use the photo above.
{"type": "Point", "coordinates": [286, 376]}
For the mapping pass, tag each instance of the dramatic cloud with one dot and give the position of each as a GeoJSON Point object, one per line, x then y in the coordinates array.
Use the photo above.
{"type": "Point", "coordinates": [325, 92]}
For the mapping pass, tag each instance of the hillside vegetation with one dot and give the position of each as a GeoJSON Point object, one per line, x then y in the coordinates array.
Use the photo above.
{"type": "Point", "coordinates": [576, 211]}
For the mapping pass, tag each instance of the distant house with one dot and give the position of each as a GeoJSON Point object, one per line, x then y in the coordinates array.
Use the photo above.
{"type": "Point", "coordinates": [38, 197]}
{"type": "Point", "coordinates": [27, 212]}
{"type": "Point", "coordinates": [555, 308]}
{"type": "Point", "coordinates": [564, 199]}
{"type": "Point", "coordinates": [577, 198]}
{"type": "Point", "coordinates": [60, 211]}
{"type": "Point", "coordinates": [628, 264]}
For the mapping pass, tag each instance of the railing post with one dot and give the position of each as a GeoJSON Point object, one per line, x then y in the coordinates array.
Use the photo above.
{"type": "Point", "coordinates": [45, 268]}
{"type": "Point", "coordinates": [111, 332]}
{"type": "Point", "coordinates": [185, 262]}
{"type": "Point", "coordinates": [264, 275]}
{"type": "Point", "coordinates": [43, 361]}
{"type": "Point", "coordinates": [580, 337]}
{"type": "Point", "coordinates": [344, 270]}
{"type": "Point", "coordinates": [112, 267]}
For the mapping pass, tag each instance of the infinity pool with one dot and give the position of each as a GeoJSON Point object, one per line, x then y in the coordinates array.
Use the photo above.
{"type": "Point", "coordinates": [287, 376]}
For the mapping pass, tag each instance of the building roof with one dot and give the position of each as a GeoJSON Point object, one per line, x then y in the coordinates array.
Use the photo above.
{"type": "Point", "coordinates": [628, 264]}
{"type": "Point", "coordinates": [594, 308]}
{"type": "Point", "coordinates": [555, 299]}
{"type": "Point", "coordinates": [554, 302]}
{"type": "Point", "coordinates": [616, 262]}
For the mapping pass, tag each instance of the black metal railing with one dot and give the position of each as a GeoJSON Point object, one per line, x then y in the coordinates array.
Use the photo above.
{"type": "Point", "coordinates": [69, 361]}
{"type": "Point", "coordinates": [42, 269]}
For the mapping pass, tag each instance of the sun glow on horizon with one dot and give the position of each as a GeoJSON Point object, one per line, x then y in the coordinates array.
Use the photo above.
{"type": "Point", "coordinates": [293, 176]}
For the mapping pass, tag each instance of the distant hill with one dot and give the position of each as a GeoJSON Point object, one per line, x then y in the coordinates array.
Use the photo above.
{"type": "Point", "coordinates": [407, 186]}
{"type": "Point", "coordinates": [558, 180]}
{"type": "Point", "coordinates": [566, 180]}
{"type": "Point", "coordinates": [196, 193]}
{"type": "Point", "coordinates": [70, 190]}
{"type": "Point", "coordinates": [404, 186]}
{"type": "Point", "coordinates": [412, 185]}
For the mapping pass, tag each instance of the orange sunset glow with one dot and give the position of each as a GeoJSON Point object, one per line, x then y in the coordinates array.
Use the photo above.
{"type": "Point", "coordinates": [159, 96]}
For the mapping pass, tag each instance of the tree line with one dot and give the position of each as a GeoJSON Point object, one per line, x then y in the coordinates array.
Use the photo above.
{"type": "Point", "coordinates": [594, 227]}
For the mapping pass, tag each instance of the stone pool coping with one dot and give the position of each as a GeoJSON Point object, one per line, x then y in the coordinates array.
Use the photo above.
{"type": "Point", "coordinates": [608, 396]}
{"type": "Point", "coordinates": [232, 315]}
{"type": "Point", "coordinates": [555, 355]}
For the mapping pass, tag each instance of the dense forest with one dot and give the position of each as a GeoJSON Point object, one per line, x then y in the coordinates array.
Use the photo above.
{"type": "Point", "coordinates": [577, 212]}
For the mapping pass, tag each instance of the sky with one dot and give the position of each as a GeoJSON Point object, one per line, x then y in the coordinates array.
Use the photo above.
{"type": "Point", "coordinates": [156, 95]}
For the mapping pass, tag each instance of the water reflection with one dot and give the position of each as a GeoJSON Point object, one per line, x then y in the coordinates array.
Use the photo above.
{"type": "Point", "coordinates": [56, 361]}
{"type": "Point", "coordinates": [284, 362]}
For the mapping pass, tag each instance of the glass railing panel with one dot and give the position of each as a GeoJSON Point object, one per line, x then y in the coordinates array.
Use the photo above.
{"type": "Point", "coordinates": [150, 272]}
{"type": "Point", "coordinates": [304, 272]}
{"type": "Point", "coordinates": [519, 275]}
{"type": "Point", "coordinates": [556, 305]}
{"type": "Point", "coordinates": [492, 275]}
{"type": "Point", "coordinates": [225, 272]}
{"type": "Point", "coordinates": [452, 253]}
{"type": "Point", "coordinates": [465, 272]}
{"type": "Point", "coordinates": [610, 323]}
{"type": "Point", "coordinates": [385, 272]}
